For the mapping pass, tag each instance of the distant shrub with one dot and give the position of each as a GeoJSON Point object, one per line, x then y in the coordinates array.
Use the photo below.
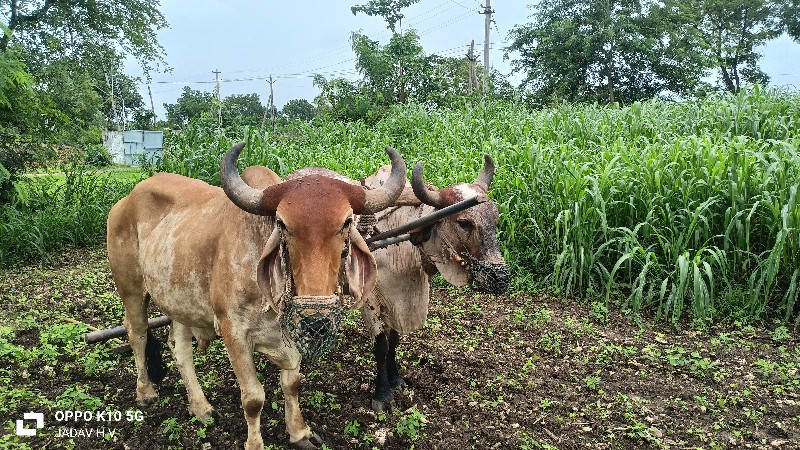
{"type": "Point", "coordinates": [96, 155]}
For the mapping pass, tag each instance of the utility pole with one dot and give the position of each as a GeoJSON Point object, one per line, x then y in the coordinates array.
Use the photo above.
{"type": "Point", "coordinates": [114, 113]}
{"type": "Point", "coordinates": [219, 101]}
{"type": "Point", "coordinates": [152, 108]}
{"type": "Point", "coordinates": [487, 11]}
{"type": "Point", "coordinates": [270, 106]}
{"type": "Point", "coordinates": [471, 81]}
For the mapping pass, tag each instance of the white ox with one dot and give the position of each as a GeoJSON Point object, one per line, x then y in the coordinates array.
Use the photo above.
{"type": "Point", "coordinates": [216, 263]}
{"type": "Point", "coordinates": [462, 247]}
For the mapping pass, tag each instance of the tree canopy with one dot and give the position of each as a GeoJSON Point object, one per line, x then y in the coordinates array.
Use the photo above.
{"type": "Point", "coordinates": [389, 10]}
{"type": "Point", "coordinates": [730, 33]}
{"type": "Point", "coordinates": [628, 50]}
{"type": "Point", "coordinates": [603, 50]}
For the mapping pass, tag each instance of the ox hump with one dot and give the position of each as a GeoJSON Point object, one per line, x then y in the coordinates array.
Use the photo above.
{"type": "Point", "coordinates": [319, 171]}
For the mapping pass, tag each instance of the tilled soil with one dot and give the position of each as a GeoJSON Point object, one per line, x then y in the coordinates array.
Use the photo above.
{"type": "Point", "coordinates": [523, 371]}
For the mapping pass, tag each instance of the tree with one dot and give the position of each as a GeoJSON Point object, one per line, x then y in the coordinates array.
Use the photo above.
{"type": "Point", "coordinates": [791, 18]}
{"type": "Point", "coordinates": [55, 28]}
{"type": "Point", "coordinates": [143, 119]}
{"type": "Point", "coordinates": [242, 110]}
{"type": "Point", "coordinates": [298, 109]}
{"type": "Point", "coordinates": [57, 58]}
{"type": "Point", "coordinates": [731, 30]}
{"type": "Point", "coordinates": [189, 105]}
{"type": "Point", "coordinates": [388, 9]}
{"type": "Point", "coordinates": [341, 99]}
{"type": "Point", "coordinates": [603, 50]}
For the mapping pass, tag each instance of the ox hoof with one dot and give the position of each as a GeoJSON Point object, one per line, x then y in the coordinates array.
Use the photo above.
{"type": "Point", "coordinates": [147, 400]}
{"type": "Point", "coordinates": [310, 443]}
{"type": "Point", "coordinates": [382, 406]}
{"type": "Point", "coordinates": [205, 416]}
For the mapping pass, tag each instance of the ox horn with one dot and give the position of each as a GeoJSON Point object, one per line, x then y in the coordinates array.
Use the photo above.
{"type": "Point", "coordinates": [486, 175]}
{"type": "Point", "coordinates": [425, 195]}
{"type": "Point", "coordinates": [380, 199]}
{"type": "Point", "coordinates": [240, 193]}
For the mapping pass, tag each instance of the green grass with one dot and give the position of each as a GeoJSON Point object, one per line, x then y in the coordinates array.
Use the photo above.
{"type": "Point", "coordinates": [666, 207]}
{"type": "Point", "coordinates": [57, 210]}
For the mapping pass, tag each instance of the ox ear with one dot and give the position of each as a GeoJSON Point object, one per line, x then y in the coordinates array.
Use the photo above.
{"type": "Point", "coordinates": [271, 277]}
{"type": "Point", "coordinates": [362, 270]}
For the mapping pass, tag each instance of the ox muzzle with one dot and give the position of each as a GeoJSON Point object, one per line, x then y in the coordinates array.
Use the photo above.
{"type": "Point", "coordinates": [492, 278]}
{"type": "Point", "coordinates": [313, 323]}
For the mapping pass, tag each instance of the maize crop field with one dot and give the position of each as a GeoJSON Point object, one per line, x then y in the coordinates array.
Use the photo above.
{"type": "Point", "coordinates": [678, 210]}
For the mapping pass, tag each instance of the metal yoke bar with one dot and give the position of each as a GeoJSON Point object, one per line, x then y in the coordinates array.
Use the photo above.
{"type": "Point", "coordinates": [421, 222]}
{"type": "Point", "coordinates": [374, 245]}
{"type": "Point", "coordinates": [108, 333]}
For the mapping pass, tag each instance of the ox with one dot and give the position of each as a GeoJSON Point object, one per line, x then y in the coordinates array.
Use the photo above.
{"type": "Point", "coordinates": [462, 247]}
{"type": "Point", "coordinates": [226, 263]}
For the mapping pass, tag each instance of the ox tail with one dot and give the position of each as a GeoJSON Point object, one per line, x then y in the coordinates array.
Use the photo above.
{"type": "Point", "coordinates": [156, 370]}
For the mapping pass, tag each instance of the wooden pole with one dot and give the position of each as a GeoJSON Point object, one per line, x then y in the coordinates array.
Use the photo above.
{"type": "Point", "coordinates": [219, 101]}
{"type": "Point", "coordinates": [471, 82]}
{"type": "Point", "coordinates": [487, 11]}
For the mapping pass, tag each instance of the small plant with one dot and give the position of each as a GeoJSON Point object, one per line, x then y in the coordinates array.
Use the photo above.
{"type": "Point", "coordinates": [172, 429]}
{"type": "Point", "coordinates": [592, 383]}
{"type": "Point", "coordinates": [781, 333]}
{"type": "Point", "coordinates": [409, 427]}
{"type": "Point", "coordinates": [351, 428]}
{"type": "Point", "coordinates": [599, 312]}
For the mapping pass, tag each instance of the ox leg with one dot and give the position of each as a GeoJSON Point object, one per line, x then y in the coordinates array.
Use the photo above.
{"type": "Point", "coordinates": [136, 323]}
{"type": "Point", "coordinates": [300, 435]}
{"type": "Point", "coordinates": [180, 342]}
{"type": "Point", "coordinates": [241, 356]}
{"type": "Point", "coordinates": [395, 381]}
{"type": "Point", "coordinates": [382, 400]}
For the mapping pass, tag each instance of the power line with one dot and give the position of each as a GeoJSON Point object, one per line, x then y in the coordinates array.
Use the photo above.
{"type": "Point", "coordinates": [446, 24]}
{"type": "Point", "coordinates": [462, 5]}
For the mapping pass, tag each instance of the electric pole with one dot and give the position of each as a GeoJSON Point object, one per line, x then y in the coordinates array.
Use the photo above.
{"type": "Point", "coordinates": [471, 82]}
{"type": "Point", "coordinates": [487, 11]}
{"type": "Point", "coordinates": [152, 108]}
{"type": "Point", "coordinates": [219, 101]}
{"type": "Point", "coordinates": [270, 106]}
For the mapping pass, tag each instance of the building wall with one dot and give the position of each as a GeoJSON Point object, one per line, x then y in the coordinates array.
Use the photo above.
{"type": "Point", "coordinates": [112, 141]}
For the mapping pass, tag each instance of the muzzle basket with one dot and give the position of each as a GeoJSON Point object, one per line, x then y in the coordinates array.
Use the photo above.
{"type": "Point", "coordinates": [313, 324]}
{"type": "Point", "coordinates": [489, 277]}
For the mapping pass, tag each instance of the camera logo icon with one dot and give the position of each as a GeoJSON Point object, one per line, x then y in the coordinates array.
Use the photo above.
{"type": "Point", "coordinates": [22, 431]}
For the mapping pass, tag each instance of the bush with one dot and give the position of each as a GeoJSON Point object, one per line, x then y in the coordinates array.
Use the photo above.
{"type": "Point", "coordinates": [96, 155]}
{"type": "Point", "coordinates": [54, 211]}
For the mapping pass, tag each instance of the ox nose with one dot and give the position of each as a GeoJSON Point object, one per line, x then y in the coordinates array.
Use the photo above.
{"type": "Point", "coordinates": [492, 278]}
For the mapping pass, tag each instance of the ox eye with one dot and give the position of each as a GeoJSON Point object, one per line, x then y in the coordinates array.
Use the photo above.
{"type": "Point", "coordinates": [347, 223]}
{"type": "Point", "coordinates": [281, 225]}
{"type": "Point", "coordinates": [465, 224]}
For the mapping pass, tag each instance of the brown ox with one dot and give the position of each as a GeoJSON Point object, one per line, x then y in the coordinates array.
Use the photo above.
{"type": "Point", "coordinates": [462, 247]}
{"type": "Point", "coordinates": [214, 262]}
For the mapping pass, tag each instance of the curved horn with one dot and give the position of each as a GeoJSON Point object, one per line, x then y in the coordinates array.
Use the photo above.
{"type": "Point", "coordinates": [485, 177]}
{"type": "Point", "coordinates": [381, 198]}
{"type": "Point", "coordinates": [242, 195]}
{"type": "Point", "coordinates": [425, 195]}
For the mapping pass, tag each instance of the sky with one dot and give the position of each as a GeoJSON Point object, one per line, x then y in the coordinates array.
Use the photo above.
{"type": "Point", "coordinates": [249, 40]}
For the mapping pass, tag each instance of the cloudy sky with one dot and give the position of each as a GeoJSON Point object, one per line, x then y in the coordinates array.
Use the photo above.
{"type": "Point", "coordinates": [249, 40]}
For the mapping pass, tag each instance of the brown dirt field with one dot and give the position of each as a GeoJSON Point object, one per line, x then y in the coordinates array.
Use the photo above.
{"type": "Point", "coordinates": [521, 371]}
